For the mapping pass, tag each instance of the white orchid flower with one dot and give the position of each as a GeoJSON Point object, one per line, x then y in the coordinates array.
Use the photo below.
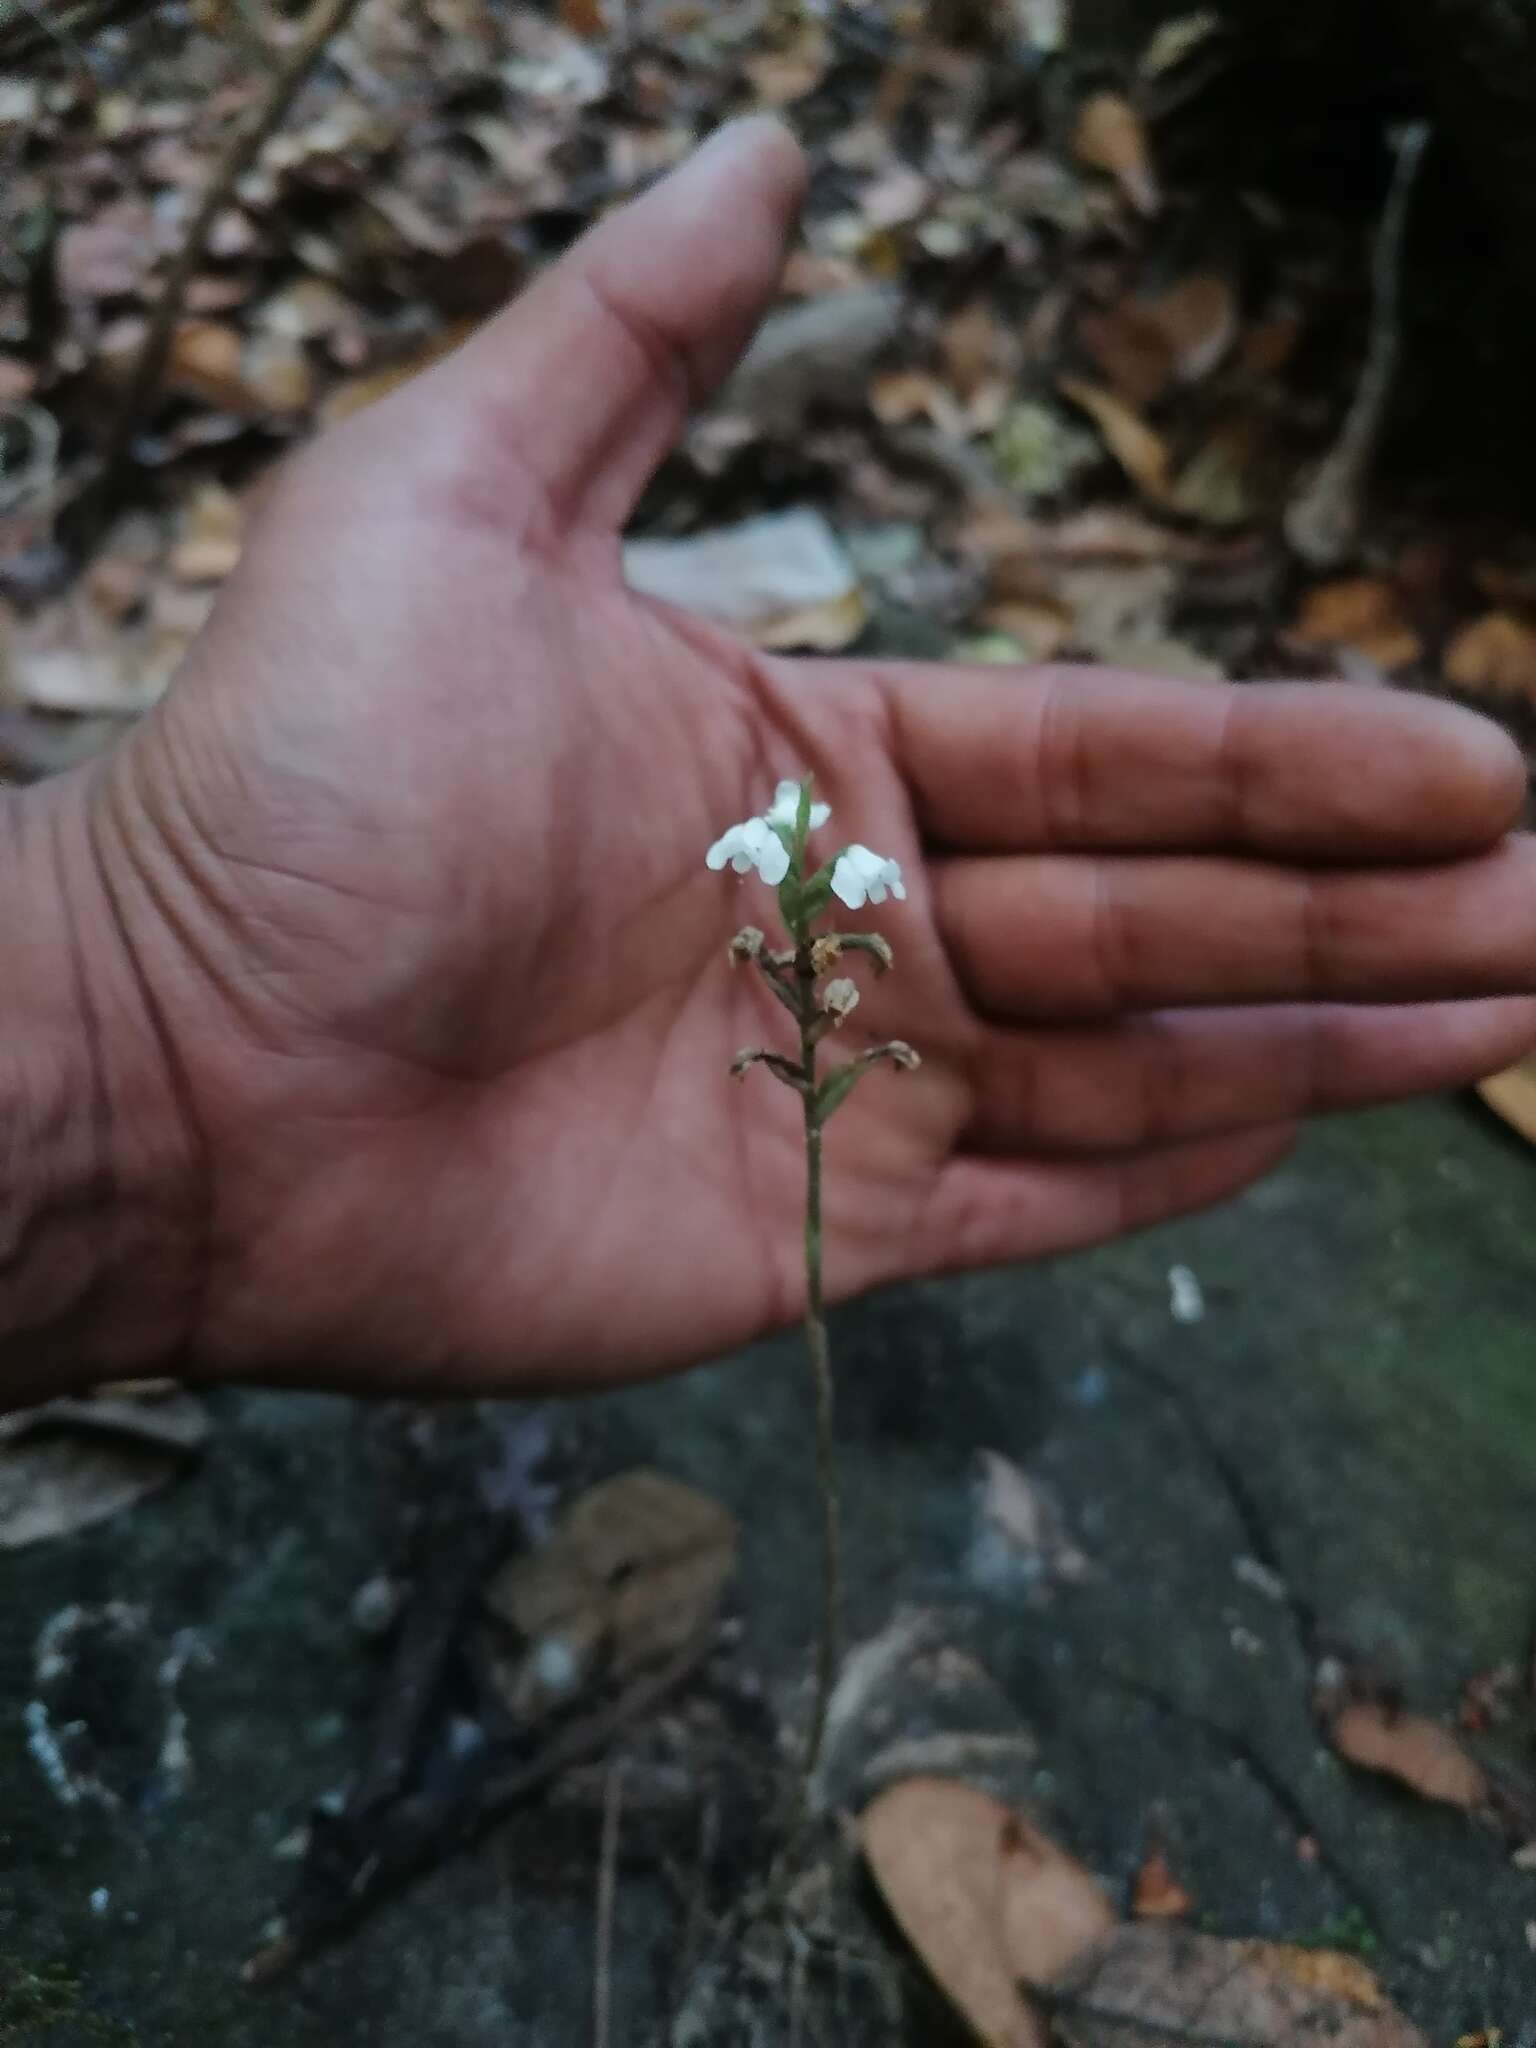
{"type": "Point", "coordinates": [753, 844]}
{"type": "Point", "coordinates": [785, 807]}
{"type": "Point", "coordinates": [862, 876]}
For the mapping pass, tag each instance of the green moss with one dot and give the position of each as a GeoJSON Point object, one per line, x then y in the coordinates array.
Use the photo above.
{"type": "Point", "coordinates": [37, 2001]}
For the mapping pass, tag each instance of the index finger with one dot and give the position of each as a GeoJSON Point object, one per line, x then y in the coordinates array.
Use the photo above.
{"type": "Point", "coordinates": [1057, 759]}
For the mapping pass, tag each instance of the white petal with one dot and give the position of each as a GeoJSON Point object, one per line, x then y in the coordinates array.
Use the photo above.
{"type": "Point", "coordinates": [819, 816]}
{"type": "Point", "coordinates": [786, 802]}
{"type": "Point", "coordinates": [773, 862]}
{"type": "Point", "coordinates": [723, 848]}
{"type": "Point", "coordinates": [848, 883]}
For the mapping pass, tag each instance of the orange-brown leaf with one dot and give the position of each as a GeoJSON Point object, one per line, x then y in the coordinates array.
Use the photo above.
{"type": "Point", "coordinates": [1494, 656]}
{"type": "Point", "coordinates": [1418, 1752]}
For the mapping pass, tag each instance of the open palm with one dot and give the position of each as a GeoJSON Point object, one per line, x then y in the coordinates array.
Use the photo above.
{"type": "Point", "coordinates": [411, 865]}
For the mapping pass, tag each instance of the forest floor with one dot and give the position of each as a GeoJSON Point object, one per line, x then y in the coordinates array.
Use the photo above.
{"type": "Point", "coordinates": [1081, 356]}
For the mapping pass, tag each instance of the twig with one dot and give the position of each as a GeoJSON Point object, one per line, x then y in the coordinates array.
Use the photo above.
{"type": "Point", "coordinates": [421, 1833]}
{"type": "Point", "coordinates": [326, 21]}
{"type": "Point", "coordinates": [1322, 521]}
{"type": "Point", "coordinates": [602, 1978]}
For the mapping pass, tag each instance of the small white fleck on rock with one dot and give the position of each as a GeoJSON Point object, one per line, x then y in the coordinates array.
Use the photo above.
{"type": "Point", "coordinates": [1186, 1301]}
{"type": "Point", "coordinates": [101, 1898]}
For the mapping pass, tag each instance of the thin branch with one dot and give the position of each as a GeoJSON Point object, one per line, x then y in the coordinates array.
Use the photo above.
{"type": "Point", "coordinates": [325, 22]}
{"type": "Point", "coordinates": [607, 1866]}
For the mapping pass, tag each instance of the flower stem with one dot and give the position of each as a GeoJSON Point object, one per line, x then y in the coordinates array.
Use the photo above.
{"type": "Point", "coordinates": [829, 1647]}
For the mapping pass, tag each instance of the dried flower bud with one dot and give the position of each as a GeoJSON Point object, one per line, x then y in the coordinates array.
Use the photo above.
{"type": "Point", "coordinates": [824, 951]}
{"type": "Point", "coordinates": [746, 945]}
{"type": "Point", "coordinates": [902, 1054]}
{"type": "Point", "coordinates": [839, 999]}
{"type": "Point", "coordinates": [747, 1057]}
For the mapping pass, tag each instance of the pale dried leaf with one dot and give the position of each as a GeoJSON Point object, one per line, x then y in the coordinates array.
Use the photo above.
{"type": "Point", "coordinates": [897, 397]}
{"type": "Point", "coordinates": [1418, 1752]}
{"type": "Point", "coordinates": [1139, 449]}
{"type": "Point", "coordinates": [971, 346]}
{"type": "Point", "coordinates": [1494, 656]}
{"type": "Point", "coordinates": [984, 1898]}
{"type": "Point", "coordinates": [1177, 40]}
{"type": "Point", "coordinates": [109, 256]}
{"type": "Point", "coordinates": [1110, 136]}
{"type": "Point", "coordinates": [774, 578]}
{"type": "Point", "coordinates": [634, 1570]}
{"type": "Point", "coordinates": [1362, 612]}
{"type": "Point", "coordinates": [212, 532]}
{"type": "Point", "coordinates": [1161, 1982]}
{"type": "Point", "coordinates": [70, 1463]}
{"type": "Point", "coordinates": [1512, 1095]}
{"type": "Point", "coordinates": [1197, 318]}
{"type": "Point", "coordinates": [1025, 1514]}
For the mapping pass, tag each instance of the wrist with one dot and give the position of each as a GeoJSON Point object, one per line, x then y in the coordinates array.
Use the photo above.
{"type": "Point", "coordinates": [100, 1257]}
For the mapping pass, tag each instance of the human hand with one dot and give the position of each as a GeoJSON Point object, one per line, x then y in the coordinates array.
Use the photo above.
{"type": "Point", "coordinates": [409, 871]}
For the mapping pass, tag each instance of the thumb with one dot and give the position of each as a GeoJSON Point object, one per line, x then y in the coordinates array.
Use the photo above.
{"type": "Point", "coordinates": [585, 381]}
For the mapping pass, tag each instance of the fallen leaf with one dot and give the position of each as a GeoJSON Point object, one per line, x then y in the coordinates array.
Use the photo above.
{"type": "Point", "coordinates": [212, 530]}
{"type": "Point", "coordinates": [204, 362]}
{"type": "Point", "coordinates": [70, 1463]}
{"type": "Point", "coordinates": [1139, 449]}
{"type": "Point", "coordinates": [1214, 485]}
{"type": "Point", "coordinates": [1110, 136]}
{"type": "Point", "coordinates": [971, 347]}
{"type": "Point", "coordinates": [369, 386]}
{"type": "Point", "coordinates": [1162, 1982]}
{"type": "Point", "coordinates": [1418, 1752]}
{"type": "Point", "coordinates": [816, 353]}
{"type": "Point", "coordinates": [109, 256]}
{"type": "Point", "coordinates": [1197, 318]}
{"type": "Point", "coordinates": [1512, 1095]}
{"type": "Point", "coordinates": [1128, 348]}
{"type": "Point", "coordinates": [1494, 656]}
{"type": "Point", "coordinates": [1156, 1894]}
{"type": "Point", "coordinates": [633, 1570]}
{"type": "Point", "coordinates": [783, 579]}
{"type": "Point", "coordinates": [583, 17]}
{"type": "Point", "coordinates": [897, 397]}
{"type": "Point", "coordinates": [1362, 612]}
{"type": "Point", "coordinates": [1024, 1513]}
{"type": "Point", "coordinates": [984, 1898]}
{"type": "Point", "coordinates": [1177, 40]}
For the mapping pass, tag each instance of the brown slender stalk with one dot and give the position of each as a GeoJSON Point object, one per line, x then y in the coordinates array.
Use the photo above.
{"type": "Point", "coordinates": [326, 20]}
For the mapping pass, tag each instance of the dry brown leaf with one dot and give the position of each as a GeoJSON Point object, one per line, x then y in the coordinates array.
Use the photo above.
{"type": "Point", "coordinates": [1156, 1893]}
{"type": "Point", "coordinates": [984, 1898]}
{"type": "Point", "coordinates": [204, 363]}
{"type": "Point", "coordinates": [971, 347]}
{"type": "Point", "coordinates": [1038, 629]}
{"type": "Point", "coordinates": [1418, 1752]}
{"type": "Point", "coordinates": [1129, 348]}
{"type": "Point", "coordinates": [1215, 485]}
{"type": "Point", "coordinates": [1494, 656]}
{"type": "Point", "coordinates": [1197, 318]}
{"type": "Point", "coordinates": [1362, 612]}
{"type": "Point", "coordinates": [369, 386]}
{"type": "Point", "coordinates": [583, 17]}
{"type": "Point", "coordinates": [18, 380]}
{"type": "Point", "coordinates": [634, 1570]}
{"type": "Point", "coordinates": [117, 585]}
{"type": "Point", "coordinates": [109, 256]}
{"type": "Point", "coordinates": [897, 397]}
{"type": "Point", "coordinates": [1139, 449]}
{"type": "Point", "coordinates": [212, 531]}
{"type": "Point", "coordinates": [1111, 136]}
{"type": "Point", "coordinates": [1512, 1095]}
{"type": "Point", "coordinates": [70, 1463]}
{"type": "Point", "coordinates": [1159, 1981]}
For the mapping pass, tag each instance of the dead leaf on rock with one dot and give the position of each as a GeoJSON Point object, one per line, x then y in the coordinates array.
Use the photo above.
{"type": "Point", "coordinates": [212, 530]}
{"type": "Point", "coordinates": [1156, 1894]}
{"type": "Point", "coordinates": [1024, 1514]}
{"type": "Point", "coordinates": [1418, 1752]}
{"type": "Point", "coordinates": [1166, 1983]}
{"type": "Point", "coordinates": [1365, 613]}
{"type": "Point", "coordinates": [67, 1464]}
{"type": "Point", "coordinates": [109, 256]}
{"type": "Point", "coordinates": [784, 579]}
{"type": "Point", "coordinates": [633, 1571]}
{"type": "Point", "coordinates": [1512, 1095]}
{"type": "Point", "coordinates": [984, 1898]}
{"type": "Point", "coordinates": [1110, 136]}
{"type": "Point", "coordinates": [1494, 656]}
{"type": "Point", "coordinates": [1139, 449]}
